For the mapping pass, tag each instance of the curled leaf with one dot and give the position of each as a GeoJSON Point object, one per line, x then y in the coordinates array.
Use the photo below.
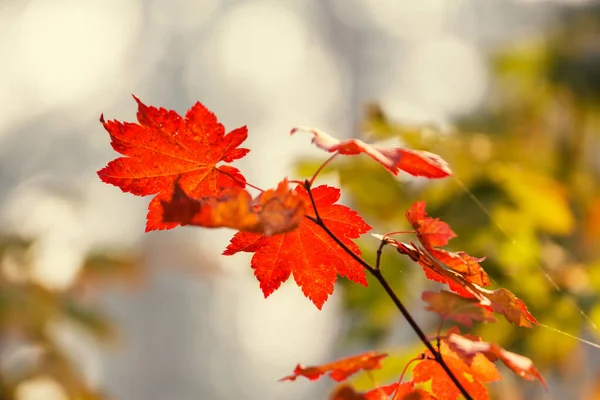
{"type": "Point", "coordinates": [520, 365]}
{"type": "Point", "coordinates": [432, 233]}
{"type": "Point", "coordinates": [504, 302]}
{"type": "Point", "coordinates": [273, 211]}
{"type": "Point", "coordinates": [413, 162]}
{"type": "Point", "coordinates": [341, 369]}
{"type": "Point", "coordinates": [345, 392]}
{"type": "Point", "coordinates": [457, 308]}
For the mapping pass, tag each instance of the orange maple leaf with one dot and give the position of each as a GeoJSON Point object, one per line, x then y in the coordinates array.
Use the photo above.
{"type": "Point", "coordinates": [472, 374]}
{"type": "Point", "coordinates": [341, 369]}
{"type": "Point", "coordinates": [273, 211]}
{"type": "Point", "coordinates": [406, 392]}
{"type": "Point", "coordinates": [308, 252]}
{"type": "Point", "coordinates": [163, 147]}
{"type": "Point", "coordinates": [413, 162]}
{"type": "Point", "coordinates": [519, 364]}
{"type": "Point", "coordinates": [381, 393]}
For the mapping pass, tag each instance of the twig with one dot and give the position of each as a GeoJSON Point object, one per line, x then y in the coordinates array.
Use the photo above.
{"type": "Point", "coordinates": [376, 272]}
{"type": "Point", "coordinates": [379, 252]}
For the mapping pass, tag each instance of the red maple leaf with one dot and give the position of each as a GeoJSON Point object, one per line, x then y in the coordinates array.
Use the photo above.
{"type": "Point", "coordinates": [431, 232]}
{"type": "Point", "coordinates": [273, 211]}
{"type": "Point", "coordinates": [163, 147]}
{"type": "Point", "coordinates": [472, 374]}
{"type": "Point", "coordinates": [413, 162]}
{"type": "Point", "coordinates": [308, 252]}
{"type": "Point", "coordinates": [341, 369]}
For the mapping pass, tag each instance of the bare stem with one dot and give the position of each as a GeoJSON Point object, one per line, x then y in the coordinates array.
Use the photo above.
{"type": "Point", "coordinates": [376, 272]}
{"type": "Point", "coordinates": [379, 252]}
{"type": "Point", "coordinates": [241, 182]}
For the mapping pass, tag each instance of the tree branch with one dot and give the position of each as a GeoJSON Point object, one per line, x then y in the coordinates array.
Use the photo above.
{"type": "Point", "coordinates": [376, 272]}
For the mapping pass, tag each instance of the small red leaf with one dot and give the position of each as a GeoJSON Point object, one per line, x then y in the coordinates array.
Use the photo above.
{"type": "Point", "coordinates": [163, 147]}
{"type": "Point", "coordinates": [308, 252]}
{"type": "Point", "coordinates": [340, 370]}
{"type": "Point", "coordinates": [413, 162]}
{"type": "Point", "coordinates": [431, 232]}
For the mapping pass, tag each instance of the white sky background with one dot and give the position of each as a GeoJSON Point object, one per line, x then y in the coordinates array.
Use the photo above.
{"type": "Point", "coordinates": [270, 65]}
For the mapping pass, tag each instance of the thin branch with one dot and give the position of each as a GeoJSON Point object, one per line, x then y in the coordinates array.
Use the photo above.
{"type": "Point", "coordinates": [376, 272]}
{"type": "Point", "coordinates": [439, 333]}
{"type": "Point", "coordinates": [379, 252]}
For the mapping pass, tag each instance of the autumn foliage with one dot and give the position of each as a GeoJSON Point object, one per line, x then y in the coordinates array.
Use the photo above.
{"type": "Point", "coordinates": [298, 229]}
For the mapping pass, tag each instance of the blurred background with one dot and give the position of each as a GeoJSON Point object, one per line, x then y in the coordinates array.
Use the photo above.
{"type": "Point", "coordinates": [508, 91]}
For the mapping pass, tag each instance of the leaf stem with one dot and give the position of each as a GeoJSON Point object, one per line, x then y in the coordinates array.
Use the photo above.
{"type": "Point", "coordinates": [376, 272]}
{"type": "Point", "coordinates": [419, 358]}
{"type": "Point", "coordinates": [312, 180]}
{"type": "Point", "coordinates": [238, 180]}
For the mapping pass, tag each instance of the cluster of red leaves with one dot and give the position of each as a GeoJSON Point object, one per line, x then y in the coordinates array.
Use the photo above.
{"type": "Point", "coordinates": [461, 272]}
{"type": "Point", "coordinates": [307, 253]}
{"type": "Point", "coordinates": [177, 160]}
{"type": "Point", "coordinates": [470, 359]}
